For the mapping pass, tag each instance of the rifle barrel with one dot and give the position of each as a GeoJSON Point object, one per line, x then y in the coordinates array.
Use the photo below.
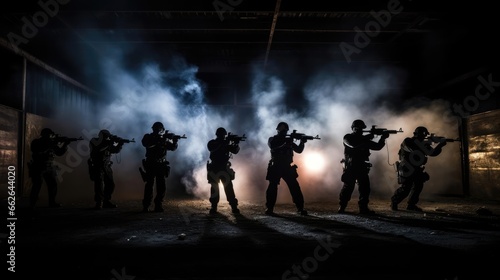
{"type": "Point", "coordinates": [437, 139]}
{"type": "Point", "coordinates": [394, 131]}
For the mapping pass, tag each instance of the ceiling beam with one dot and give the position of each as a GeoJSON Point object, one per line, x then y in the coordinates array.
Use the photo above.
{"type": "Point", "coordinates": [271, 33]}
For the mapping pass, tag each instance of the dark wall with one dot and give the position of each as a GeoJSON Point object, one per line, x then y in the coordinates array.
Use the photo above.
{"type": "Point", "coordinates": [11, 79]}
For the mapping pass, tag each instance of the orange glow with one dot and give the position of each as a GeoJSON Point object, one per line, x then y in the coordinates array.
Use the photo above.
{"type": "Point", "coordinates": [313, 162]}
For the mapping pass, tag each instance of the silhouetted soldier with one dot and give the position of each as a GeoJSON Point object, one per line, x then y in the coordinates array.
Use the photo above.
{"type": "Point", "coordinates": [44, 150]}
{"type": "Point", "coordinates": [100, 170]}
{"type": "Point", "coordinates": [413, 155]}
{"type": "Point", "coordinates": [357, 166]}
{"type": "Point", "coordinates": [280, 166]}
{"type": "Point", "coordinates": [219, 169]}
{"type": "Point", "coordinates": [156, 165]}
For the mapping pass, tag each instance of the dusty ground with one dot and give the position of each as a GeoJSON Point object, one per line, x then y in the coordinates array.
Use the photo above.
{"type": "Point", "coordinates": [455, 238]}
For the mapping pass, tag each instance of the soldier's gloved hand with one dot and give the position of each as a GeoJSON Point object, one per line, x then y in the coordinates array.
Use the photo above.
{"type": "Point", "coordinates": [158, 138]}
{"type": "Point", "coordinates": [369, 136]}
{"type": "Point", "coordinates": [303, 140]}
{"type": "Point", "coordinates": [442, 143]}
{"type": "Point", "coordinates": [385, 135]}
{"type": "Point", "coordinates": [107, 142]}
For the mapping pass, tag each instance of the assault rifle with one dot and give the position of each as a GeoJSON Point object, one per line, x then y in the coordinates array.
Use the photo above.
{"type": "Point", "coordinates": [439, 139]}
{"type": "Point", "coordinates": [120, 140]}
{"type": "Point", "coordinates": [174, 136]}
{"type": "Point", "coordinates": [302, 136]}
{"type": "Point", "coordinates": [379, 131]}
{"type": "Point", "coordinates": [61, 139]}
{"type": "Point", "coordinates": [235, 138]}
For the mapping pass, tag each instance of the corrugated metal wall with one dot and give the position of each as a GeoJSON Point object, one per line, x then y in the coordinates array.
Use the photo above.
{"type": "Point", "coordinates": [45, 92]}
{"type": "Point", "coordinates": [484, 154]}
{"type": "Point", "coordinates": [31, 92]}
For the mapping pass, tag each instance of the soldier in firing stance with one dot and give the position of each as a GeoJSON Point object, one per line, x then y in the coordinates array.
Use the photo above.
{"type": "Point", "coordinates": [357, 166]}
{"type": "Point", "coordinates": [219, 169]}
{"type": "Point", "coordinates": [280, 166]}
{"type": "Point", "coordinates": [42, 166]}
{"type": "Point", "coordinates": [413, 155]}
{"type": "Point", "coordinates": [100, 170]}
{"type": "Point", "coordinates": [157, 166]}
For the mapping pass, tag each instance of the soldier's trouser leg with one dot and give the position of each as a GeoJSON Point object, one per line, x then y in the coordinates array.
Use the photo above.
{"type": "Point", "coordinates": [98, 187]}
{"type": "Point", "coordinates": [229, 190]}
{"type": "Point", "coordinates": [418, 186]}
{"type": "Point", "coordinates": [148, 191]}
{"type": "Point", "coordinates": [346, 191]}
{"type": "Point", "coordinates": [109, 184]}
{"type": "Point", "coordinates": [51, 180]}
{"type": "Point", "coordinates": [295, 191]}
{"type": "Point", "coordinates": [161, 189]}
{"type": "Point", "coordinates": [214, 193]}
{"type": "Point", "coordinates": [402, 192]}
{"type": "Point", "coordinates": [271, 194]}
{"type": "Point", "coordinates": [35, 189]}
{"type": "Point", "coordinates": [364, 191]}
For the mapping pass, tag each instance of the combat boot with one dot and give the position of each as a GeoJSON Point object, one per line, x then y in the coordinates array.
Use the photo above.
{"type": "Point", "coordinates": [413, 207]}
{"type": "Point", "coordinates": [394, 206]}
{"type": "Point", "coordinates": [54, 205]}
{"type": "Point", "coordinates": [159, 208]}
{"type": "Point", "coordinates": [235, 209]}
{"type": "Point", "coordinates": [302, 212]}
{"type": "Point", "coordinates": [108, 204]}
{"type": "Point", "coordinates": [364, 210]}
{"type": "Point", "coordinates": [213, 209]}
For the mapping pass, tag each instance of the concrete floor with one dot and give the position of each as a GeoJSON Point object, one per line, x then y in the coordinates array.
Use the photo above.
{"type": "Point", "coordinates": [454, 238]}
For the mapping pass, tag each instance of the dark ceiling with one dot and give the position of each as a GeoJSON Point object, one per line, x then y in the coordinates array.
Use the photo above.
{"type": "Point", "coordinates": [440, 47]}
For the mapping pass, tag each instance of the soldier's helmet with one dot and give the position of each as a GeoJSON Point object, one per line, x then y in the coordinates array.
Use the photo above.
{"type": "Point", "coordinates": [157, 126]}
{"type": "Point", "coordinates": [46, 132]}
{"type": "Point", "coordinates": [358, 124]}
{"type": "Point", "coordinates": [421, 131]}
{"type": "Point", "coordinates": [104, 133]}
{"type": "Point", "coordinates": [282, 126]}
{"type": "Point", "coordinates": [220, 132]}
